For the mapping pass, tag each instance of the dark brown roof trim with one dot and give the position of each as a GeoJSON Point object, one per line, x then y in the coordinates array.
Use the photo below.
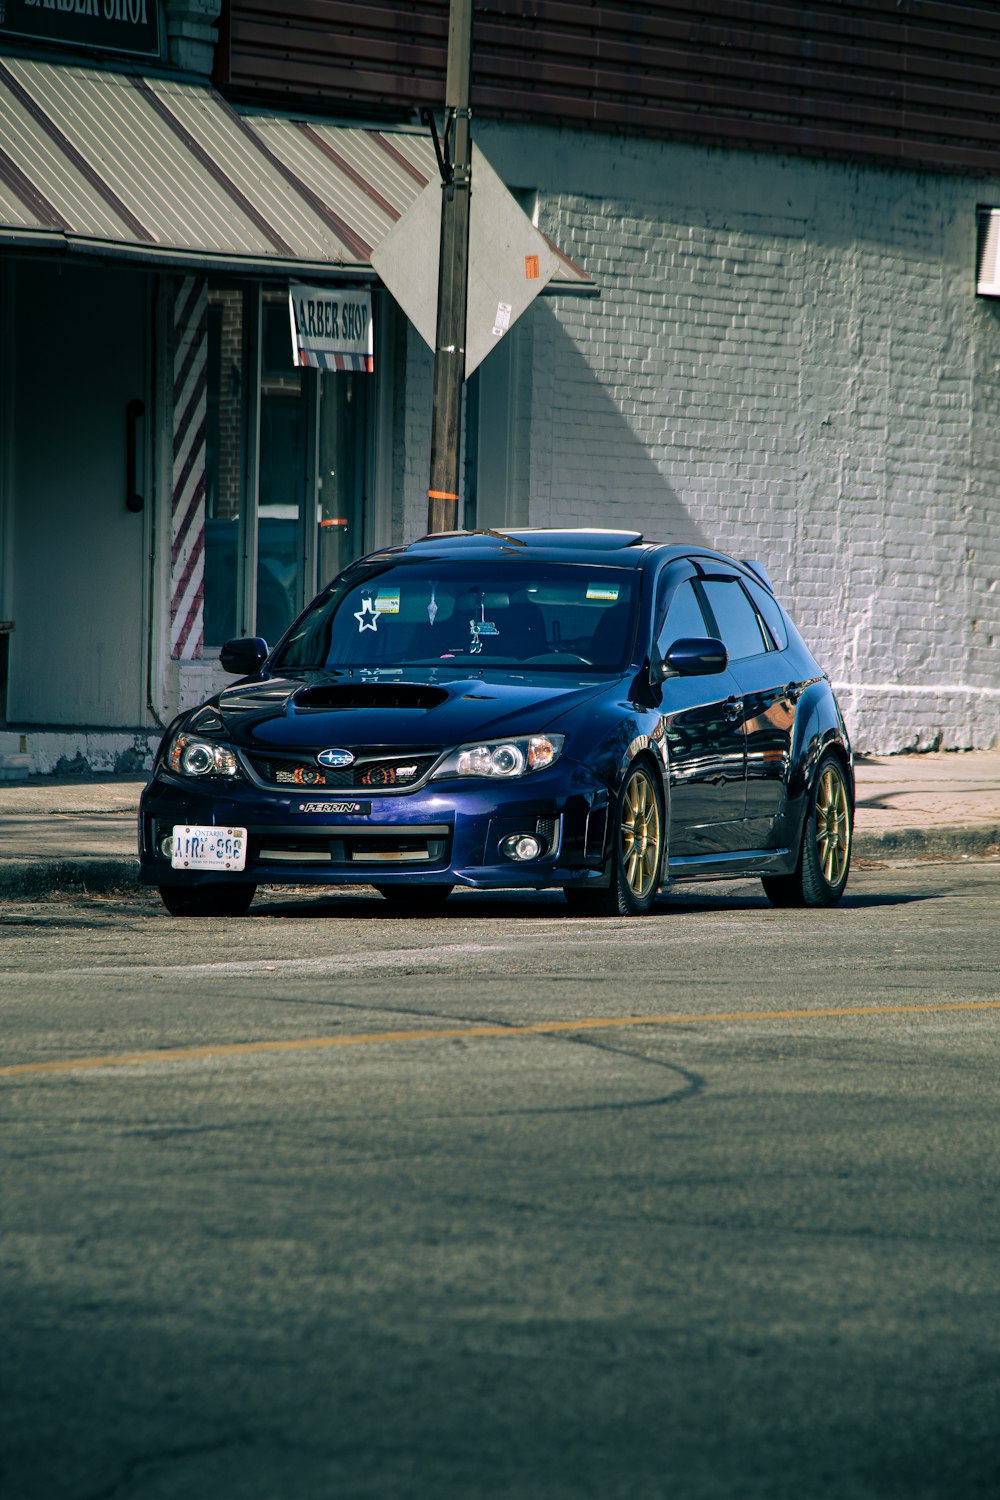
{"type": "Point", "coordinates": [83, 166]}
{"type": "Point", "coordinates": [399, 158]}
{"type": "Point", "coordinates": [343, 165]}
{"type": "Point", "coordinates": [34, 201]}
{"type": "Point", "coordinates": [212, 167]}
{"type": "Point", "coordinates": [358, 247]}
{"type": "Point", "coordinates": [562, 255]}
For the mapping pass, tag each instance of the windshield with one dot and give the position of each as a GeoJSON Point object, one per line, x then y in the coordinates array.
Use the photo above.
{"type": "Point", "coordinates": [545, 616]}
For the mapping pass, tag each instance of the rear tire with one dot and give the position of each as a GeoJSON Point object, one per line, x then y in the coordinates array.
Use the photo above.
{"type": "Point", "coordinates": [825, 856]}
{"type": "Point", "coordinates": [636, 853]}
{"type": "Point", "coordinates": [207, 900]}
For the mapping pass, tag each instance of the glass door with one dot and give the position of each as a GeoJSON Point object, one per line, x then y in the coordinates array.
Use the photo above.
{"type": "Point", "coordinates": [285, 465]}
{"type": "Point", "coordinates": [310, 511]}
{"type": "Point", "coordinates": [343, 406]}
{"type": "Point", "coordinates": [284, 480]}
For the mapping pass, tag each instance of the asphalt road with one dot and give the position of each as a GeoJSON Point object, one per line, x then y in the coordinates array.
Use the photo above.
{"type": "Point", "coordinates": [328, 1203]}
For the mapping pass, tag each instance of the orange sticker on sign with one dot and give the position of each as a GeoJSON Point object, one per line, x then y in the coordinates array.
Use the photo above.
{"type": "Point", "coordinates": [531, 268]}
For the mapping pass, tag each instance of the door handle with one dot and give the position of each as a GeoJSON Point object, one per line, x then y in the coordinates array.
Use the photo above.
{"type": "Point", "coordinates": [733, 708]}
{"type": "Point", "coordinates": [793, 691]}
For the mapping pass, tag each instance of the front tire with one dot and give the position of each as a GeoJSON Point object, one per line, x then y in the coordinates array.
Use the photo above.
{"type": "Point", "coordinates": [636, 853]}
{"type": "Point", "coordinates": [215, 900]}
{"type": "Point", "coordinates": [825, 856]}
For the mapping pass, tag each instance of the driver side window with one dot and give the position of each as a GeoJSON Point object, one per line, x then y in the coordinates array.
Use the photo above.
{"type": "Point", "coordinates": [684, 618]}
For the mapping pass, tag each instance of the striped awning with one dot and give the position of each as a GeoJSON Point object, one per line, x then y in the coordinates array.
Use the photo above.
{"type": "Point", "coordinates": [165, 170]}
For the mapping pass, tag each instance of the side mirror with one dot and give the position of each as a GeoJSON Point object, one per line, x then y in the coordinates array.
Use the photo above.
{"type": "Point", "coordinates": [244, 656]}
{"type": "Point", "coordinates": [692, 656]}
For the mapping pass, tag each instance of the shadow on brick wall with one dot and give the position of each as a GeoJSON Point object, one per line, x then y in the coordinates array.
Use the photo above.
{"type": "Point", "coordinates": [593, 444]}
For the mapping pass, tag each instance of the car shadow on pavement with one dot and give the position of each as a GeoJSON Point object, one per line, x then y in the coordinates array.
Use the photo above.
{"type": "Point", "coordinates": [545, 905]}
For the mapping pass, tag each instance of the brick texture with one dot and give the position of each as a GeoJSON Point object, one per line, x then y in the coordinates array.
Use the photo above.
{"type": "Point", "coordinates": [788, 361]}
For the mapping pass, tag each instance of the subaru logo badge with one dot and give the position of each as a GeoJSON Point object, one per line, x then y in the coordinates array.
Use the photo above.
{"type": "Point", "coordinates": [335, 758]}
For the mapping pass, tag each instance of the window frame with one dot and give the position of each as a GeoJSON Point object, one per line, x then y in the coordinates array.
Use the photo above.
{"type": "Point", "coordinates": [719, 575]}
{"type": "Point", "coordinates": [679, 570]}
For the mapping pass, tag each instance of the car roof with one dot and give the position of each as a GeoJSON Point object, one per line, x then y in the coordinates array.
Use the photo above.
{"type": "Point", "coordinates": [584, 544]}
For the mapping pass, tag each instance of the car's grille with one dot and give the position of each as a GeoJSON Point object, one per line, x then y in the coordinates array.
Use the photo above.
{"type": "Point", "coordinates": [373, 773]}
{"type": "Point", "coordinates": [424, 845]}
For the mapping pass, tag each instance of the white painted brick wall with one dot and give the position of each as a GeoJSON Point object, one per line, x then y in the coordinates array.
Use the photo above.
{"type": "Point", "coordinates": [789, 362]}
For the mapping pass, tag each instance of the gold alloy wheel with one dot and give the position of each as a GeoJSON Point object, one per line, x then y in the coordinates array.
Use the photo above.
{"type": "Point", "coordinates": [640, 834]}
{"type": "Point", "coordinates": [833, 826]}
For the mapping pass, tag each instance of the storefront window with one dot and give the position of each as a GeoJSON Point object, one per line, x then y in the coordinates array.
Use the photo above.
{"type": "Point", "coordinates": [342, 444]}
{"type": "Point", "coordinates": [224, 449]}
{"type": "Point", "coordinates": [308, 520]}
{"type": "Point", "coordinates": [284, 477]}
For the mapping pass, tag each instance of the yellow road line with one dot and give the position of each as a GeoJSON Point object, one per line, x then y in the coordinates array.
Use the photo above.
{"type": "Point", "coordinates": [462, 1033]}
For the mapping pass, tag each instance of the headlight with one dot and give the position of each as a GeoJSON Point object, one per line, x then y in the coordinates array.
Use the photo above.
{"type": "Point", "coordinates": [191, 757]}
{"type": "Point", "coordinates": [504, 758]}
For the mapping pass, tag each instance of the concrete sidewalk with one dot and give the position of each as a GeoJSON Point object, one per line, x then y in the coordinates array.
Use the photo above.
{"type": "Point", "coordinates": [79, 833]}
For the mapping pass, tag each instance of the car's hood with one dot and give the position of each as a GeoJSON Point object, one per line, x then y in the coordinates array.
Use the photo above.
{"type": "Point", "coordinates": [433, 709]}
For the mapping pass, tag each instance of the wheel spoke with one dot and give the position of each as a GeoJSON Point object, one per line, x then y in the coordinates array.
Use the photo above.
{"type": "Point", "coordinates": [640, 835]}
{"type": "Point", "coordinates": [833, 828]}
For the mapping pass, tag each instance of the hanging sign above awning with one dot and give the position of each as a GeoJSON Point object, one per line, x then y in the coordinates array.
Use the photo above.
{"type": "Point", "coordinates": [331, 328]}
{"type": "Point", "coordinates": [129, 26]}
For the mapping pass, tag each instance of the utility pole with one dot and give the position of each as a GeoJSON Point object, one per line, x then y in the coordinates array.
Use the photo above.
{"type": "Point", "coordinates": [455, 161]}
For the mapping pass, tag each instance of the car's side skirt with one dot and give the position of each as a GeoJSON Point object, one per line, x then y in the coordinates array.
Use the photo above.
{"type": "Point", "coordinates": [742, 862]}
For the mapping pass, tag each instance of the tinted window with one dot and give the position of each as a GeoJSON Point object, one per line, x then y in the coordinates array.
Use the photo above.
{"type": "Point", "coordinates": [768, 607]}
{"type": "Point", "coordinates": [739, 627]}
{"type": "Point", "coordinates": [684, 617]}
{"type": "Point", "coordinates": [459, 614]}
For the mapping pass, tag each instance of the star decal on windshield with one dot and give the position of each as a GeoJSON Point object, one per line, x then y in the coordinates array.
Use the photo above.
{"type": "Point", "coordinates": [366, 617]}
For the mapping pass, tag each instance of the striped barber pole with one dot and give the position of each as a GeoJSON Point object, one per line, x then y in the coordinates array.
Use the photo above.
{"type": "Point", "coordinates": [187, 531]}
{"type": "Point", "coordinates": [318, 361]}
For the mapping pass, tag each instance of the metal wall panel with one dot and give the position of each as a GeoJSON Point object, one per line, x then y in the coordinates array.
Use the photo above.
{"type": "Point", "coordinates": [907, 82]}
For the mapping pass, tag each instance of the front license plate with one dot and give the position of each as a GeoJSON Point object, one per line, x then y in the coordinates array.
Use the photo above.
{"type": "Point", "coordinates": [200, 848]}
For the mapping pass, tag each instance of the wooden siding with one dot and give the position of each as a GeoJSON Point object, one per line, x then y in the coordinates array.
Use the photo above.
{"type": "Point", "coordinates": [908, 82]}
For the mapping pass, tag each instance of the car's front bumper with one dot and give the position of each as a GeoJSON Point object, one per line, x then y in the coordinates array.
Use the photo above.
{"type": "Point", "coordinates": [445, 832]}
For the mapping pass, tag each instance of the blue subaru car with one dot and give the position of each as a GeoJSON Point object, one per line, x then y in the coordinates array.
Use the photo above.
{"type": "Point", "coordinates": [573, 709]}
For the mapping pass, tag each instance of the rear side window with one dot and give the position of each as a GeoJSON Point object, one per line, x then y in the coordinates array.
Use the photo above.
{"type": "Point", "coordinates": [767, 606]}
{"type": "Point", "coordinates": [739, 628]}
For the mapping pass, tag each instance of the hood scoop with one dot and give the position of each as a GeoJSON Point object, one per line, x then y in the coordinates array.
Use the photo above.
{"type": "Point", "coordinates": [368, 695]}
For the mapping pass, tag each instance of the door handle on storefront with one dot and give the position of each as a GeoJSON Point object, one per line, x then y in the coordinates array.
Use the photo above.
{"type": "Point", "coordinates": [733, 710]}
{"type": "Point", "coordinates": [135, 413]}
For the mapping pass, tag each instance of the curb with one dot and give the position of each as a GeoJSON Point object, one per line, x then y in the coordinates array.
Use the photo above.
{"type": "Point", "coordinates": [30, 879]}
{"type": "Point", "coordinates": [935, 842]}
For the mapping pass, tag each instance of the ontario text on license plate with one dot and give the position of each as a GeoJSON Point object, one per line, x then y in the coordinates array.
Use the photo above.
{"type": "Point", "coordinates": [201, 848]}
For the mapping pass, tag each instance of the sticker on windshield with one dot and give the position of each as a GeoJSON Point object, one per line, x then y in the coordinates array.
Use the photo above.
{"type": "Point", "coordinates": [432, 607]}
{"type": "Point", "coordinates": [603, 593]}
{"type": "Point", "coordinates": [387, 602]}
{"type": "Point", "coordinates": [366, 617]}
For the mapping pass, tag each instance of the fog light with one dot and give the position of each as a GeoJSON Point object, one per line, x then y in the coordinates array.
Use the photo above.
{"type": "Point", "coordinates": [521, 846]}
{"type": "Point", "coordinates": [167, 846]}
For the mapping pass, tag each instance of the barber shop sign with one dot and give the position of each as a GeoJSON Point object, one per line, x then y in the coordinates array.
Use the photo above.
{"type": "Point", "coordinates": [129, 26]}
{"type": "Point", "coordinates": [331, 328]}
